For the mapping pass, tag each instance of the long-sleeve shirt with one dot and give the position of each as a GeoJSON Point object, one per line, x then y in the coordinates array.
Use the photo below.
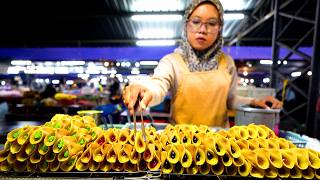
{"type": "Point", "coordinates": [168, 75]}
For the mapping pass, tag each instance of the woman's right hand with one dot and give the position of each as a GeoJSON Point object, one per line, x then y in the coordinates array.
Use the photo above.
{"type": "Point", "coordinates": [130, 96]}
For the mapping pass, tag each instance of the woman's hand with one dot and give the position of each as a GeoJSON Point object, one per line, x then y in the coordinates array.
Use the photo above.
{"type": "Point", "coordinates": [130, 96]}
{"type": "Point", "coordinates": [267, 103]}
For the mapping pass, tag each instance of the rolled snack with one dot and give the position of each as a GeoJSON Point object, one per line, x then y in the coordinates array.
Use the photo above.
{"type": "Point", "coordinates": [243, 144]}
{"type": "Point", "coordinates": [69, 151]}
{"type": "Point", "coordinates": [105, 166]}
{"type": "Point", "coordinates": [225, 133]}
{"type": "Point", "coordinates": [43, 149]}
{"type": "Point", "coordinates": [270, 133]}
{"type": "Point", "coordinates": [302, 161]}
{"type": "Point", "coordinates": [80, 166]}
{"type": "Point", "coordinates": [135, 157]}
{"type": "Point", "coordinates": [177, 168]}
{"type": "Point", "coordinates": [263, 143]}
{"type": "Point", "coordinates": [86, 156]}
{"type": "Point", "coordinates": [308, 173]}
{"type": "Point", "coordinates": [5, 166]}
{"type": "Point", "coordinates": [218, 168]}
{"type": "Point", "coordinates": [253, 144]}
{"type": "Point", "coordinates": [205, 169]}
{"type": "Point", "coordinates": [21, 156]}
{"type": "Point", "coordinates": [98, 154]}
{"type": "Point", "coordinates": [95, 132]}
{"type": "Point", "coordinates": [7, 146]}
{"type": "Point", "coordinates": [220, 145]}
{"type": "Point", "coordinates": [125, 152]}
{"type": "Point", "coordinates": [14, 134]}
{"type": "Point", "coordinates": [289, 157]}
{"type": "Point", "coordinates": [129, 167]}
{"type": "Point", "coordinates": [31, 148]}
{"type": "Point", "coordinates": [253, 132]}
{"type": "Point", "coordinates": [101, 140]}
{"type": "Point", "coordinates": [139, 143]}
{"type": "Point", "coordinates": [31, 167]}
{"type": "Point", "coordinates": [234, 149]}
{"type": "Point", "coordinates": [3, 155]}
{"type": "Point", "coordinates": [196, 138]}
{"type": "Point", "coordinates": [193, 168]}
{"type": "Point", "coordinates": [175, 138]}
{"type": "Point", "coordinates": [155, 162]}
{"type": "Point", "coordinates": [15, 147]}
{"type": "Point", "coordinates": [68, 165]}
{"type": "Point", "coordinates": [19, 166]}
{"type": "Point", "coordinates": [35, 157]}
{"type": "Point", "coordinates": [284, 172]}
{"type": "Point", "coordinates": [50, 156]}
{"type": "Point", "coordinates": [39, 134]}
{"type": "Point", "coordinates": [63, 142]}
{"type": "Point", "coordinates": [83, 140]}
{"type": "Point", "coordinates": [24, 136]}
{"type": "Point", "coordinates": [166, 166]}
{"type": "Point", "coordinates": [186, 158]}
{"type": "Point", "coordinates": [245, 169]}
{"type": "Point", "coordinates": [60, 133]}
{"type": "Point", "coordinates": [131, 138]}
{"type": "Point", "coordinates": [226, 159]}
{"type": "Point", "coordinates": [173, 155]}
{"type": "Point", "coordinates": [235, 132]}
{"type": "Point", "coordinates": [275, 158]}
{"type": "Point", "coordinates": [186, 138]}
{"type": "Point", "coordinates": [238, 161]}
{"type": "Point", "coordinates": [256, 171]}
{"type": "Point", "coordinates": [231, 170]}
{"type": "Point", "coordinates": [50, 139]}
{"type": "Point", "coordinates": [296, 173]}
{"type": "Point", "coordinates": [124, 136]}
{"type": "Point", "coordinates": [142, 165]}
{"type": "Point", "coordinates": [200, 156]}
{"type": "Point", "coordinates": [112, 155]}
{"type": "Point", "coordinates": [43, 165]}
{"type": "Point", "coordinates": [54, 166]}
{"type": "Point", "coordinates": [11, 158]}
{"type": "Point", "coordinates": [256, 158]}
{"type": "Point", "coordinates": [314, 160]}
{"type": "Point", "coordinates": [283, 143]}
{"type": "Point", "coordinates": [271, 172]}
{"type": "Point", "coordinates": [112, 136]}
{"type": "Point", "coordinates": [93, 166]}
{"type": "Point", "coordinates": [273, 143]}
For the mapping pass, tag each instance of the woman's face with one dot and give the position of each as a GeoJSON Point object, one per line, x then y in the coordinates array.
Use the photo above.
{"type": "Point", "coordinates": [203, 26]}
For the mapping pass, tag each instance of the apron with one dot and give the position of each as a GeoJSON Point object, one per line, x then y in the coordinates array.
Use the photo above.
{"type": "Point", "coordinates": [201, 97]}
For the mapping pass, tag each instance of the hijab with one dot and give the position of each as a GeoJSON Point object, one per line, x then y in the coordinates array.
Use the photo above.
{"type": "Point", "coordinates": [206, 60]}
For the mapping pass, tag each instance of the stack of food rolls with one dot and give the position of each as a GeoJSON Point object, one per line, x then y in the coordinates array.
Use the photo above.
{"type": "Point", "coordinates": [74, 143]}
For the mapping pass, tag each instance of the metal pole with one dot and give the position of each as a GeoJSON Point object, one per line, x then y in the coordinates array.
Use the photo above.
{"type": "Point", "coordinates": [275, 47]}
{"type": "Point", "coordinates": [312, 125]}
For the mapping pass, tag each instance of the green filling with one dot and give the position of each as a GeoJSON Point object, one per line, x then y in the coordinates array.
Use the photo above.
{"type": "Point", "coordinates": [44, 148]}
{"type": "Point", "coordinates": [51, 138]}
{"type": "Point", "coordinates": [74, 135]}
{"type": "Point", "coordinates": [38, 135]}
{"type": "Point", "coordinates": [33, 146]}
{"type": "Point", "coordinates": [70, 162]}
{"type": "Point", "coordinates": [87, 128]}
{"type": "Point", "coordinates": [16, 134]}
{"type": "Point", "coordinates": [94, 134]}
{"type": "Point", "coordinates": [45, 164]}
{"type": "Point", "coordinates": [61, 144]}
{"type": "Point", "coordinates": [66, 154]}
{"type": "Point", "coordinates": [82, 141]}
{"type": "Point", "coordinates": [58, 125]}
{"type": "Point", "coordinates": [26, 136]}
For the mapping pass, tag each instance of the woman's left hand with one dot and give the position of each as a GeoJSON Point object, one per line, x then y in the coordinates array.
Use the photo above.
{"type": "Point", "coordinates": [267, 103]}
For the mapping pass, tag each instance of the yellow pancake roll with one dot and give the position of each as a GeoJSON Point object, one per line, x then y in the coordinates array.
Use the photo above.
{"type": "Point", "coordinates": [283, 143]}
{"type": "Point", "coordinates": [50, 139]}
{"type": "Point", "coordinates": [98, 154]}
{"type": "Point", "coordinates": [105, 166]}
{"type": "Point", "coordinates": [245, 169]}
{"type": "Point", "coordinates": [93, 166]}
{"type": "Point", "coordinates": [30, 148]}
{"type": "Point", "coordinates": [231, 170]}
{"type": "Point", "coordinates": [112, 136]}
{"type": "Point", "coordinates": [173, 155]}
{"type": "Point", "coordinates": [11, 158]}
{"type": "Point", "coordinates": [43, 165]}
{"type": "Point", "coordinates": [50, 156]}
{"type": "Point", "coordinates": [193, 168]}
{"type": "Point", "coordinates": [226, 159]}
{"type": "Point", "coordinates": [218, 168]}
{"type": "Point", "coordinates": [19, 166]}
{"type": "Point", "coordinates": [238, 161]}
{"type": "Point", "coordinates": [5, 166]}
{"type": "Point", "coordinates": [175, 138]}
{"type": "Point", "coordinates": [134, 157]}
{"type": "Point", "coordinates": [234, 149]}
{"type": "Point", "coordinates": [43, 149]}
{"type": "Point", "coordinates": [139, 143]}
{"type": "Point", "coordinates": [308, 173]}
{"type": "Point", "coordinates": [31, 167]}
{"type": "Point", "coordinates": [196, 139]}
{"type": "Point", "coordinates": [142, 165]}
{"type": "Point", "coordinates": [253, 132]}
{"type": "Point", "coordinates": [3, 155]}
{"type": "Point", "coordinates": [256, 171]}
{"type": "Point", "coordinates": [243, 144]}
{"type": "Point", "coordinates": [211, 157]}
{"type": "Point", "coordinates": [14, 134]}
{"type": "Point", "coordinates": [68, 165]}
{"type": "Point", "coordinates": [302, 158]}
{"type": "Point", "coordinates": [296, 173]}
{"type": "Point", "coordinates": [149, 153]}
{"type": "Point", "coordinates": [275, 158]}
{"type": "Point", "coordinates": [54, 166]}
{"type": "Point", "coordinates": [166, 166]}
{"type": "Point", "coordinates": [314, 160]}
{"type": "Point", "coordinates": [15, 147]}
{"type": "Point", "coordinates": [200, 156]}
{"type": "Point", "coordinates": [24, 136]}
{"type": "Point", "coordinates": [80, 166]}
{"type": "Point", "coordinates": [284, 172]}
{"type": "Point", "coordinates": [125, 152]}
{"type": "Point", "coordinates": [129, 167]}
{"type": "Point", "coordinates": [22, 156]}
{"type": "Point", "coordinates": [273, 143]}
{"type": "Point", "coordinates": [155, 162]}
{"type": "Point", "coordinates": [271, 172]}
{"type": "Point", "coordinates": [220, 145]}
{"type": "Point", "coordinates": [69, 151]}
{"type": "Point", "coordinates": [124, 136]}
{"type": "Point", "coordinates": [39, 134]}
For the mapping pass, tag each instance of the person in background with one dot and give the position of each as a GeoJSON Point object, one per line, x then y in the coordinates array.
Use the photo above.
{"type": "Point", "coordinates": [201, 77]}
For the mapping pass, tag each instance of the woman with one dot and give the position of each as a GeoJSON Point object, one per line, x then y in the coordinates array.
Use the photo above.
{"type": "Point", "coordinates": [201, 77]}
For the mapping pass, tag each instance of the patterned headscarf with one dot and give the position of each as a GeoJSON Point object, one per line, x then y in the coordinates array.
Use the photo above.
{"type": "Point", "coordinates": [201, 61]}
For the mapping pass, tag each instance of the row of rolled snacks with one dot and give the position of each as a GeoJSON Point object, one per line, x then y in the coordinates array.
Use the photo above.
{"type": "Point", "coordinates": [74, 143]}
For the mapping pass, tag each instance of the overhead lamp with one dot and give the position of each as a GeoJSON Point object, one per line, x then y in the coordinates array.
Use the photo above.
{"type": "Point", "coordinates": [157, 17]}
{"type": "Point", "coordinates": [235, 5]}
{"type": "Point", "coordinates": [55, 81]}
{"type": "Point", "coordinates": [21, 62]}
{"type": "Point", "coordinates": [69, 82]}
{"type": "Point", "coordinates": [309, 73]}
{"type": "Point", "coordinates": [266, 80]}
{"type": "Point", "coordinates": [296, 74]}
{"type": "Point", "coordinates": [148, 63]}
{"type": "Point", "coordinates": [155, 43]}
{"type": "Point", "coordinates": [156, 6]}
{"type": "Point", "coordinates": [245, 73]}
{"type": "Point", "coordinates": [155, 34]}
{"type": "Point", "coordinates": [233, 16]}
{"type": "Point", "coordinates": [266, 62]}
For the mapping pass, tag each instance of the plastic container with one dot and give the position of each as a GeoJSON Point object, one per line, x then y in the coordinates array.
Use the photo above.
{"type": "Point", "coordinates": [295, 138]}
{"type": "Point", "coordinates": [93, 113]}
{"type": "Point", "coordinates": [246, 115]}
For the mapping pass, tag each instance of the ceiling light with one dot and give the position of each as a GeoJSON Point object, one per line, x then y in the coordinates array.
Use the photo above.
{"type": "Point", "coordinates": [157, 17]}
{"type": "Point", "coordinates": [279, 62]}
{"type": "Point", "coordinates": [266, 80]}
{"type": "Point", "coordinates": [55, 81]}
{"type": "Point", "coordinates": [69, 82]}
{"type": "Point", "coordinates": [154, 6]}
{"type": "Point", "coordinates": [21, 62]}
{"type": "Point", "coordinates": [266, 62]}
{"type": "Point", "coordinates": [296, 74]}
{"type": "Point", "coordinates": [309, 73]}
{"type": "Point", "coordinates": [251, 81]}
{"type": "Point", "coordinates": [155, 34]}
{"type": "Point", "coordinates": [155, 43]}
{"type": "Point", "coordinates": [285, 62]}
{"type": "Point", "coordinates": [245, 73]}
{"type": "Point", "coordinates": [148, 63]}
{"type": "Point", "coordinates": [234, 16]}
{"type": "Point", "coordinates": [235, 5]}
{"type": "Point", "coordinates": [73, 63]}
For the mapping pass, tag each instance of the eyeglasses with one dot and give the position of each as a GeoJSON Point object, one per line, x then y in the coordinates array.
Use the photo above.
{"type": "Point", "coordinates": [212, 26]}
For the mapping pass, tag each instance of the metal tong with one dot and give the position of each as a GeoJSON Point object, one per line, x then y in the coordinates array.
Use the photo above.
{"type": "Point", "coordinates": [136, 106]}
